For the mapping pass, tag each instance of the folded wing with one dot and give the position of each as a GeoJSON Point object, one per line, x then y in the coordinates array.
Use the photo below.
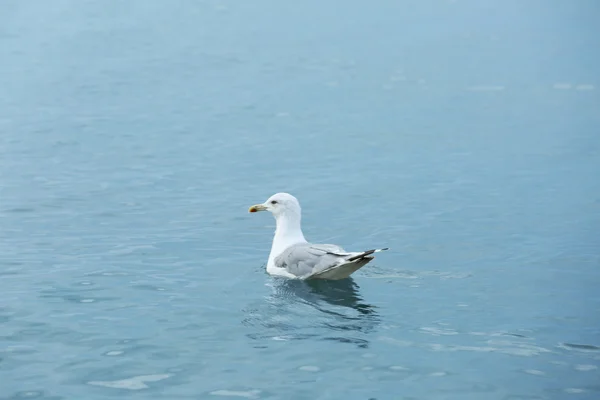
{"type": "Point", "coordinates": [322, 261]}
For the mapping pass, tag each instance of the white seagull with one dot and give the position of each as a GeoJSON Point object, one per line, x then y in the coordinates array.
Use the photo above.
{"type": "Point", "coordinates": [293, 257]}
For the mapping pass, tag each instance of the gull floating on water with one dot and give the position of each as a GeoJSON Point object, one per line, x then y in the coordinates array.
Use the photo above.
{"type": "Point", "coordinates": [293, 257]}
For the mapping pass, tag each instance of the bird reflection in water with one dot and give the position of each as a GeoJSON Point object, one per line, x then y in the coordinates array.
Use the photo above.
{"type": "Point", "coordinates": [317, 309]}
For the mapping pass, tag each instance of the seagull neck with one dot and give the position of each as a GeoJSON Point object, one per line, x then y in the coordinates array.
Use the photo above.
{"type": "Point", "coordinates": [287, 233]}
{"type": "Point", "coordinates": [289, 230]}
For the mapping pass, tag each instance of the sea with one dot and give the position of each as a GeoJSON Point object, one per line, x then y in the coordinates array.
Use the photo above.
{"type": "Point", "coordinates": [462, 134]}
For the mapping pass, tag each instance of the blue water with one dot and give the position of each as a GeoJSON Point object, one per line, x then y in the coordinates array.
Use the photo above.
{"type": "Point", "coordinates": [464, 135]}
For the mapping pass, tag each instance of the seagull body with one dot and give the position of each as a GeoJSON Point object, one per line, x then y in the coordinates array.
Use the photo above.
{"type": "Point", "coordinates": [293, 257]}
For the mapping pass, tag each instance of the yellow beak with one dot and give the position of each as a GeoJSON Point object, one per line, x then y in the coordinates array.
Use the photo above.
{"type": "Point", "coordinates": [256, 208]}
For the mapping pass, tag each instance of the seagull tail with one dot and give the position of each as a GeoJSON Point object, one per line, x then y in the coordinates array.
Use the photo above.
{"type": "Point", "coordinates": [366, 254]}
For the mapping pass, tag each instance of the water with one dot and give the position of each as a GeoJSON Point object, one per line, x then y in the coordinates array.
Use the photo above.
{"type": "Point", "coordinates": [461, 134]}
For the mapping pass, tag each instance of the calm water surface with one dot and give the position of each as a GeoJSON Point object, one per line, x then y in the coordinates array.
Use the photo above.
{"type": "Point", "coordinates": [462, 134]}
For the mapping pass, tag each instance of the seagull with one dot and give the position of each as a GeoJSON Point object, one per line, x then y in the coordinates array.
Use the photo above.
{"type": "Point", "coordinates": [293, 257]}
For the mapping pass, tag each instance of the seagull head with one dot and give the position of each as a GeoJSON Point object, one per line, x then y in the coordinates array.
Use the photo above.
{"type": "Point", "coordinates": [279, 204]}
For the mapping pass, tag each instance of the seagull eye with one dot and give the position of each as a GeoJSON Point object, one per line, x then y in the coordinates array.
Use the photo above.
{"type": "Point", "coordinates": [273, 202]}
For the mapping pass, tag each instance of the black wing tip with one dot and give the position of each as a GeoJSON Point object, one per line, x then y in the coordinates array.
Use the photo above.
{"type": "Point", "coordinates": [366, 253]}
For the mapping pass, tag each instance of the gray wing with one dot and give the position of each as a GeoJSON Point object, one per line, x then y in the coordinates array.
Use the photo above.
{"type": "Point", "coordinates": [305, 259]}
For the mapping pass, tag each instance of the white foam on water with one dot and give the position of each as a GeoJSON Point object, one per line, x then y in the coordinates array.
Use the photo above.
{"type": "Point", "coordinates": [310, 368]}
{"type": "Point", "coordinates": [585, 367]}
{"type": "Point", "coordinates": [249, 394]}
{"type": "Point", "coordinates": [574, 390]}
{"type": "Point", "coordinates": [441, 347]}
{"type": "Point", "coordinates": [29, 394]}
{"type": "Point", "coordinates": [397, 342]}
{"type": "Point", "coordinates": [134, 383]}
{"type": "Point", "coordinates": [440, 373]}
{"type": "Point", "coordinates": [438, 331]}
{"type": "Point", "coordinates": [534, 372]}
